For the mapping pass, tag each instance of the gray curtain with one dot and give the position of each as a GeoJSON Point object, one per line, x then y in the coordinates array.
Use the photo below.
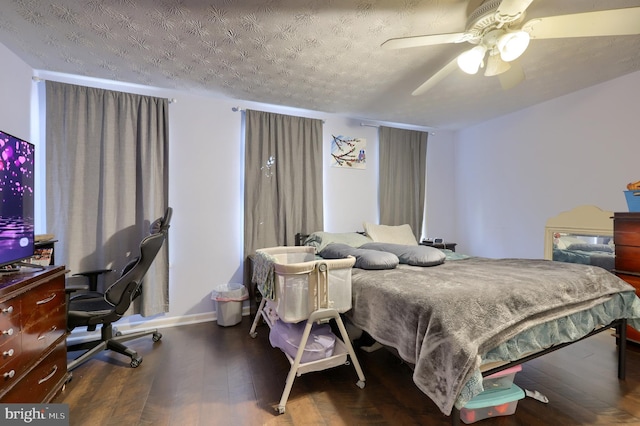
{"type": "Point", "coordinates": [107, 180]}
{"type": "Point", "coordinates": [282, 178]}
{"type": "Point", "coordinates": [403, 166]}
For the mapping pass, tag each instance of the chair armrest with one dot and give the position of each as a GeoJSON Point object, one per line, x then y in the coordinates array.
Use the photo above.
{"type": "Point", "coordinates": [94, 273]}
{"type": "Point", "coordinates": [92, 276]}
{"type": "Point", "coordinates": [70, 288]}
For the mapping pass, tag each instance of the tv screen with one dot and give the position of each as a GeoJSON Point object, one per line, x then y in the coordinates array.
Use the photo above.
{"type": "Point", "coordinates": [17, 201]}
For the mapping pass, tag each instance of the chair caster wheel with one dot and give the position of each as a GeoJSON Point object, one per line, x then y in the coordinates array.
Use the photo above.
{"type": "Point", "coordinates": [156, 336]}
{"type": "Point", "coordinates": [135, 362]}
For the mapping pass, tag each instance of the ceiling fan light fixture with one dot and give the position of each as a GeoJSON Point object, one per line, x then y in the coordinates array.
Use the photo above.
{"type": "Point", "coordinates": [513, 44]}
{"type": "Point", "coordinates": [471, 60]}
{"type": "Point", "coordinates": [495, 65]}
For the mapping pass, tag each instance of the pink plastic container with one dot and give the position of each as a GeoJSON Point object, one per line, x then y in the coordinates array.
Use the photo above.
{"type": "Point", "coordinates": [502, 379]}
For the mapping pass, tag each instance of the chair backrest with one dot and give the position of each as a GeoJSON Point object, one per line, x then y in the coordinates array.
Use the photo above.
{"type": "Point", "coordinates": [122, 292]}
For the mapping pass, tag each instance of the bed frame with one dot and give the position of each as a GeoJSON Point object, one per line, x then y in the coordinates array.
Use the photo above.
{"type": "Point", "coordinates": [621, 341]}
{"type": "Point", "coordinates": [619, 325]}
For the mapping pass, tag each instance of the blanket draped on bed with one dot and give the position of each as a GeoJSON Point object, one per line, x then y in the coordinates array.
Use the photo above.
{"type": "Point", "coordinates": [443, 318]}
{"type": "Point", "coordinates": [264, 274]}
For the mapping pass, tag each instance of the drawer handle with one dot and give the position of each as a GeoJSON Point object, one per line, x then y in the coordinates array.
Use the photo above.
{"type": "Point", "coordinates": [8, 332]}
{"type": "Point", "coordinates": [8, 353]}
{"type": "Point", "coordinates": [9, 374]}
{"type": "Point", "coordinates": [43, 336]}
{"type": "Point", "coordinates": [50, 375]}
{"type": "Point", "coordinates": [7, 310]}
{"type": "Point", "coordinates": [47, 300]}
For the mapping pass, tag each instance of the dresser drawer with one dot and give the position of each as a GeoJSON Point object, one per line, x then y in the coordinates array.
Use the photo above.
{"type": "Point", "coordinates": [626, 231]}
{"type": "Point", "coordinates": [38, 335]}
{"type": "Point", "coordinates": [43, 317]}
{"type": "Point", "coordinates": [10, 350]}
{"type": "Point", "coordinates": [10, 339]}
{"type": "Point", "coordinates": [632, 333]}
{"type": "Point", "coordinates": [9, 320]}
{"type": "Point", "coordinates": [43, 381]}
{"type": "Point", "coordinates": [33, 361]}
{"type": "Point", "coordinates": [627, 258]}
{"type": "Point", "coordinates": [631, 279]}
{"type": "Point", "coordinates": [10, 313]}
{"type": "Point", "coordinates": [37, 304]}
{"type": "Point", "coordinates": [10, 336]}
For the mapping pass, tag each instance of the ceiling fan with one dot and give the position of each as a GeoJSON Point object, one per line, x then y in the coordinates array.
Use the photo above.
{"type": "Point", "coordinates": [496, 28]}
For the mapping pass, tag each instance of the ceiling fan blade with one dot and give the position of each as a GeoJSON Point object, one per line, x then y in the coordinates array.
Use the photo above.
{"type": "Point", "coordinates": [513, 76]}
{"type": "Point", "coordinates": [424, 40]}
{"type": "Point", "coordinates": [495, 65]}
{"type": "Point", "coordinates": [511, 10]}
{"type": "Point", "coordinates": [437, 77]}
{"type": "Point", "coordinates": [589, 24]}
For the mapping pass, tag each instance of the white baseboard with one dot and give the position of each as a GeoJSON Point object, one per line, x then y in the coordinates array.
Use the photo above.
{"type": "Point", "coordinates": [81, 334]}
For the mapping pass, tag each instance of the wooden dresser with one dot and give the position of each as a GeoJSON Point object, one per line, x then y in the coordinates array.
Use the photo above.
{"type": "Point", "coordinates": [626, 236]}
{"type": "Point", "coordinates": [33, 352]}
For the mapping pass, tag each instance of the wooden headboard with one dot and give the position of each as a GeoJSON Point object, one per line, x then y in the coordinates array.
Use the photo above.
{"type": "Point", "coordinates": [582, 220]}
{"type": "Point", "coordinates": [300, 237]}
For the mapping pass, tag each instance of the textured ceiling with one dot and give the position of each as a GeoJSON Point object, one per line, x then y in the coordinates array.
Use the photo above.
{"type": "Point", "coordinates": [322, 55]}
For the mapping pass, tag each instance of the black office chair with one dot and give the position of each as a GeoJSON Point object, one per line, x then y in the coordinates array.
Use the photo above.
{"type": "Point", "coordinates": [92, 308]}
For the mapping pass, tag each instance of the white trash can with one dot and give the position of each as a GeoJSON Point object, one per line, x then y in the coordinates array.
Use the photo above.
{"type": "Point", "coordinates": [228, 299]}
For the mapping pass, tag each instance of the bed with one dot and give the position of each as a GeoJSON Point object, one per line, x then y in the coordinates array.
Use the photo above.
{"type": "Point", "coordinates": [467, 317]}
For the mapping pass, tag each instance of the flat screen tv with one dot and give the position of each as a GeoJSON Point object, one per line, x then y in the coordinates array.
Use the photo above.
{"type": "Point", "coordinates": [17, 199]}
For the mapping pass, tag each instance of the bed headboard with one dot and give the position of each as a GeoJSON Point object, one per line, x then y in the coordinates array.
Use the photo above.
{"type": "Point", "coordinates": [581, 221]}
{"type": "Point", "coordinates": [300, 237]}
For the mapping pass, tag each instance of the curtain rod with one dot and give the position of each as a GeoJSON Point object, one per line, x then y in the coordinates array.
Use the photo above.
{"type": "Point", "coordinates": [40, 79]}
{"type": "Point", "coordinates": [431, 132]}
{"type": "Point", "coordinates": [238, 109]}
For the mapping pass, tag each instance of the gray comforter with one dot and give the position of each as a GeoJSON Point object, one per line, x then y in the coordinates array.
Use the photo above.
{"type": "Point", "coordinates": [442, 318]}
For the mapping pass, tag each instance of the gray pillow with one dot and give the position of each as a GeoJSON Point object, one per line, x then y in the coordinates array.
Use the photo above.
{"type": "Point", "coordinates": [365, 259]}
{"type": "Point", "coordinates": [591, 247]}
{"type": "Point", "coordinates": [410, 255]}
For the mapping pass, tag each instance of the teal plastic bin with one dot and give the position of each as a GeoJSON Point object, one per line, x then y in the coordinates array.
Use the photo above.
{"type": "Point", "coordinates": [492, 403]}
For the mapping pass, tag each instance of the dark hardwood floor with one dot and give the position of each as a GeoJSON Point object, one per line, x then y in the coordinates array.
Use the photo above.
{"type": "Point", "coordinates": [204, 374]}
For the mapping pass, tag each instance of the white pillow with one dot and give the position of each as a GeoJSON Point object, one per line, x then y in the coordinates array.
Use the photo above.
{"type": "Point", "coordinates": [400, 234]}
{"type": "Point", "coordinates": [320, 239]}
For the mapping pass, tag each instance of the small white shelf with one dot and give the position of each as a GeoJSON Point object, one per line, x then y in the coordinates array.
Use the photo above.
{"type": "Point", "coordinates": [338, 358]}
{"type": "Point", "coordinates": [341, 351]}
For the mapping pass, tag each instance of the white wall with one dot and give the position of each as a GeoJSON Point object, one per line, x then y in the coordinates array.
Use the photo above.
{"type": "Point", "coordinates": [515, 172]}
{"type": "Point", "coordinates": [351, 195]}
{"type": "Point", "coordinates": [206, 194]}
{"type": "Point", "coordinates": [15, 90]}
{"type": "Point", "coordinates": [205, 181]}
{"type": "Point", "coordinates": [16, 101]}
{"type": "Point", "coordinates": [441, 179]}
{"type": "Point", "coordinates": [206, 170]}
{"type": "Point", "coordinates": [490, 187]}
{"type": "Point", "coordinates": [206, 190]}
